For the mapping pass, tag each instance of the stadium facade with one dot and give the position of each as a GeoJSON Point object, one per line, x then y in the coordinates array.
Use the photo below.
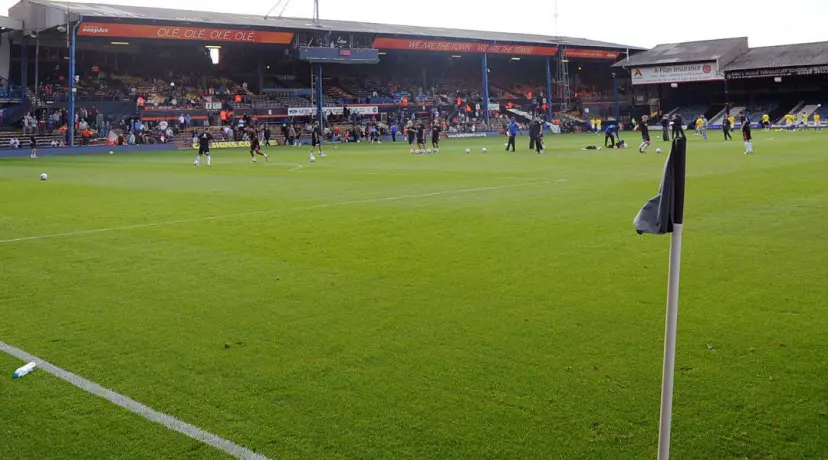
{"type": "Point", "coordinates": [104, 26]}
{"type": "Point", "coordinates": [708, 76]}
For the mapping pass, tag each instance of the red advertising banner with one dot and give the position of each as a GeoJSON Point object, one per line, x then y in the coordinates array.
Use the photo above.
{"type": "Point", "coordinates": [591, 54]}
{"type": "Point", "coordinates": [91, 29]}
{"type": "Point", "coordinates": [462, 47]}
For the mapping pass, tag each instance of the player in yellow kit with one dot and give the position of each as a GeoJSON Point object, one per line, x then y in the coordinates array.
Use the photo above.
{"type": "Point", "coordinates": [817, 125]}
{"type": "Point", "coordinates": [766, 122]}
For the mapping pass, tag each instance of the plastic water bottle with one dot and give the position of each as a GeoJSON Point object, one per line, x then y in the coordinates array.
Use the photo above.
{"type": "Point", "coordinates": [20, 372]}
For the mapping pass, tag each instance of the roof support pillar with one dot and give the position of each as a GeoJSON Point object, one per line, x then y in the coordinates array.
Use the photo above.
{"type": "Point", "coordinates": [485, 104]}
{"type": "Point", "coordinates": [549, 89]}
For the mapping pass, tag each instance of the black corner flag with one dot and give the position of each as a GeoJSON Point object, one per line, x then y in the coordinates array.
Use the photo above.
{"type": "Point", "coordinates": [667, 208]}
{"type": "Point", "coordinates": [665, 214]}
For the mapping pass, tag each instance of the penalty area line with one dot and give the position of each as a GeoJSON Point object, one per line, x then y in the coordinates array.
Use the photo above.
{"type": "Point", "coordinates": [272, 211]}
{"type": "Point", "coordinates": [133, 406]}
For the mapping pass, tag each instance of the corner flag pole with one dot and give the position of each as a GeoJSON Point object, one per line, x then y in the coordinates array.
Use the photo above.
{"type": "Point", "coordinates": [671, 323]}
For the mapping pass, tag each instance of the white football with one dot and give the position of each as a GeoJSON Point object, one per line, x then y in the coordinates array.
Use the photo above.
{"type": "Point", "coordinates": [506, 145]}
{"type": "Point", "coordinates": [111, 152]}
{"type": "Point", "coordinates": [43, 176]}
{"type": "Point", "coordinates": [468, 150]}
{"type": "Point", "coordinates": [312, 159]}
{"type": "Point", "coordinates": [484, 150]}
{"type": "Point", "coordinates": [658, 150]}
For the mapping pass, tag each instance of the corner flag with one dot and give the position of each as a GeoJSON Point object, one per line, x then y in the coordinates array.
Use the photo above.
{"type": "Point", "coordinates": [667, 208]}
{"type": "Point", "coordinates": [665, 214]}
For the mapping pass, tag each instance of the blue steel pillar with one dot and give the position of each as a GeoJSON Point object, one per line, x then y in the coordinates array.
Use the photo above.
{"type": "Point", "coordinates": [71, 116]}
{"type": "Point", "coordinates": [24, 64]}
{"type": "Point", "coordinates": [615, 95]}
{"type": "Point", "coordinates": [318, 90]}
{"type": "Point", "coordinates": [485, 105]}
{"type": "Point", "coordinates": [549, 89]}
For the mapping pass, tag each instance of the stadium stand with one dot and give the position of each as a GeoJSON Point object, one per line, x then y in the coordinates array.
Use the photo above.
{"type": "Point", "coordinates": [690, 112]}
{"type": "Point", "coordinates": [778, 57]}
{"type": "Point", "coordinates": [722, 50]}
{"type": "Point", "coordinates": [823, 112]}
{"type": "Point", "coordinates": [734, 111]}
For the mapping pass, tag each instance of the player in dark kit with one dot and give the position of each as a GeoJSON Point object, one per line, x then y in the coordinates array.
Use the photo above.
{"type": "Point", "coordinates": [726, 129]}
{"type": "Point", "coordinates": [204, 140]}
{"type": "Point", "coordinates": [435, 135]}
{"type": "Point", "coordinates": [316, 139]}
{"type": "Point", "coordinates": [409, 131]}
{"type": "Point", "coordinates": [420, 136]}
{"type": "Point", "coordinates": [255, 145]}
{"type": "Point", "coordinates": [645, 133]}
{"type": "Point", "coordinates": [33, 145]}
{"type": "Point", "coordinates": [266, 134]}
{"type": "Point", "coordinates": [746, 133]}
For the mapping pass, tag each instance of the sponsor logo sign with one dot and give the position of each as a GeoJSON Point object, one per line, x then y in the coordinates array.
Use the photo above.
{"type": "Point", "coordinates": [591, 54]}
{"type": "Point", "coordinates": [781, 72]}
{"type": "Point", "coordinates": [225, 144]}
{"type": "Point", "coordinates": [310, 111]}
{"type": "Point", "coordinates": [113, 30]}
{"type": "Point", "coordinates": [463, 47]}
{"type": "Point", "coordinates": [678, 73]}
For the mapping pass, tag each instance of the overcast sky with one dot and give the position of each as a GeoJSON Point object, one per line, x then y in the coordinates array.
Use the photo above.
{"type": "Point", "coordinates": [629, 22]}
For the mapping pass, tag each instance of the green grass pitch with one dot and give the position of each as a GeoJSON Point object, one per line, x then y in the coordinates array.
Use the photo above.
{"type": "Point", "coordinates": [378, 304]}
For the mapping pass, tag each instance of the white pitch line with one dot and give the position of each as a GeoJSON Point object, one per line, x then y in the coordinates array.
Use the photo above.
{"type": "Point", "coordinates": [131, 405]}
{"type": "Point", "coordinates": [270, 211]}
{"type": "Point", "coordinates": [296, 166]}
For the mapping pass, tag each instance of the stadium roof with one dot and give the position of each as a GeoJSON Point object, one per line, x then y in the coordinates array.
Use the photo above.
{"type": "Point", "coordinates": [9, 23]}
{"type": "Point", "coordinates": [673, 53]}
{"type": "Point", "coordinates": [771, 57]}
{"type": "Point", "coordinates": [140, 13]}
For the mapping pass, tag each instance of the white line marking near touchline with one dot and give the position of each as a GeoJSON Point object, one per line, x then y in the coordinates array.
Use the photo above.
{"type": "Point", "coordinates": [271, 211]}
{"type": "Point", "coordinates": [134, 406]}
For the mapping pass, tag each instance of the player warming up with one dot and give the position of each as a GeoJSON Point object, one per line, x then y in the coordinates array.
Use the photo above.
{"type": "Point", "coordinates": [645, 133]}
{"type": "Point", "coordinates": [512, 130]}
{"type": "Point", "coordinates": [409, 132]}
{"type": "Point", "coordinates": [33, 145]}
{"type": "Point", "coordinates": [421, 137]}
{"type": "Point", "coordinates": [255, 145]}
{"type": "Point", "coordinates": [435, 135]}
{"type": "Point", "coordinates": [610, 133]}
{"type": "Point", "coordinates": [203, 147]}
{"type": "Point", "coordinates": [316, 140]}
{"type": "Point", "coordinates": [746, 133]}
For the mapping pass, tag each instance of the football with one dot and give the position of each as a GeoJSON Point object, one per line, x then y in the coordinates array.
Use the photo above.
{"type": "Point", "coordinates": [43, 176]}
{"type": "Point", "coordinates": [658, 150]}
{"type": "Point", "coordinates": [468, 150]}
{"type": "Point", "coordinates": [484, 150]}
{"type": "Point", "coordinates": [312, 159]}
